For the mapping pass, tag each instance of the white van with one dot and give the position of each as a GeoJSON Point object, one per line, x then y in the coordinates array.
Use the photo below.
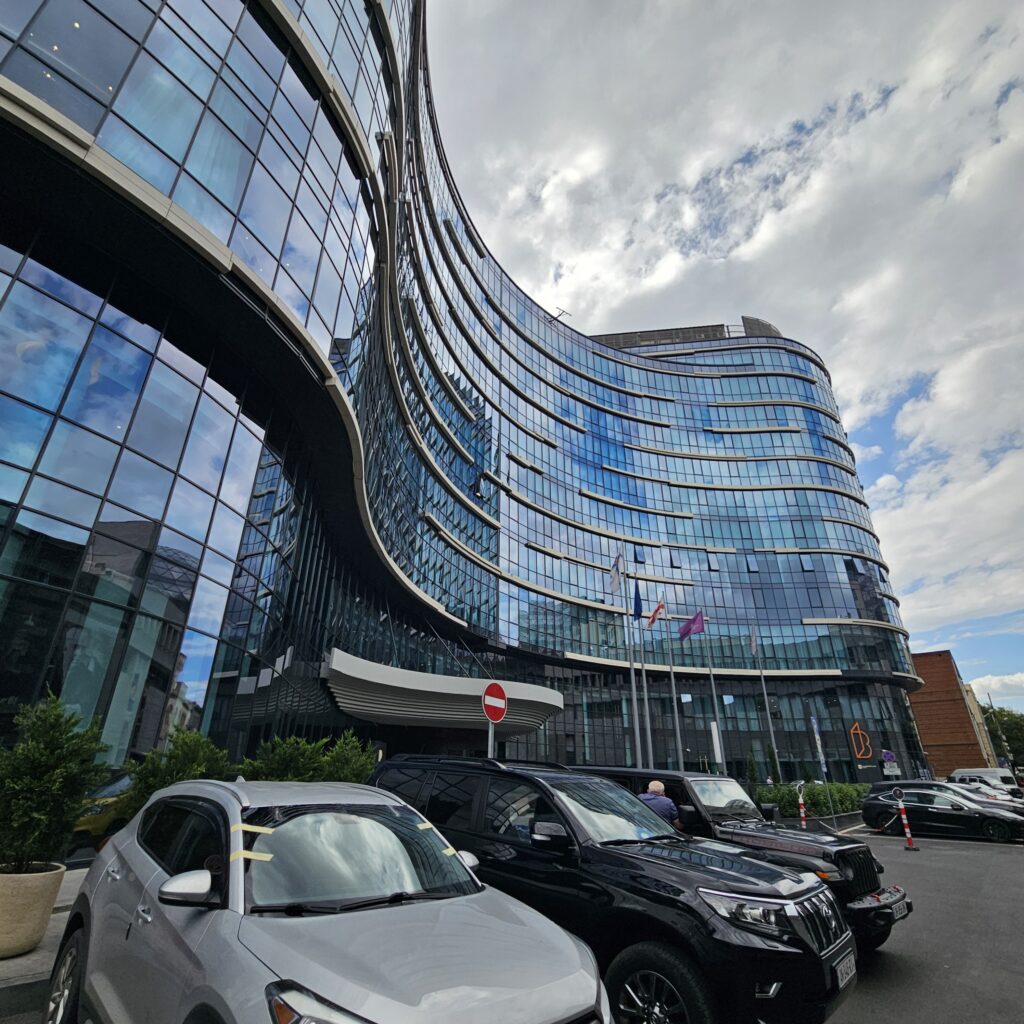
{"type": "Point", "coordinates": [999, 778]}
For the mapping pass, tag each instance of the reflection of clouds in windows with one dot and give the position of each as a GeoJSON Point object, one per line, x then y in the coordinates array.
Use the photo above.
{"type": "Point", "coordinates": [332, 856]}
{"type": "Point", "coordinates": [196, 663]}
{"type": "Point", "coordinates": [208, 606]}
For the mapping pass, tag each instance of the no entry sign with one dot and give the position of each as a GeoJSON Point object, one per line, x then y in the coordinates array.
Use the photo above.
{"type": "Point", "coordinates": [495, 702]}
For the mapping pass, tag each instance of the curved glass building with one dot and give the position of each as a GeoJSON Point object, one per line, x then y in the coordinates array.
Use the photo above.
{"type": "Point", "coordinates": [285, 450]}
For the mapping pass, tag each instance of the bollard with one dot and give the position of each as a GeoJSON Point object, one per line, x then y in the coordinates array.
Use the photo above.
{"type": "Point", "coordinates": [898, 793]}
{"type": "Point", "coordinates": [803, 810]}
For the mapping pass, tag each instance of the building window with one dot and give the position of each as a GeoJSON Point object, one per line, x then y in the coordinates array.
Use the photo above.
{"type": "Point", "coordinates": [752, 563]}
{"type": "Point", "coordinates": [807, 563]}
{"type": "Point", "coordinates": [712, 561]}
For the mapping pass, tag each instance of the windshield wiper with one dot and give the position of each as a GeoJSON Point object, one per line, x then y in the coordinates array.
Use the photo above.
{"type": "Point", "coordinates": [647, 839]}
{"type": "Point", "coordinates": [298, 909]}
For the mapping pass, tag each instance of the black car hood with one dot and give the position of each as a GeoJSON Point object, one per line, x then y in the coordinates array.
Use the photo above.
{"type": "Point", "coordinates": [762, 835]}
{"type": "Point", "coordinates": [685, 863]}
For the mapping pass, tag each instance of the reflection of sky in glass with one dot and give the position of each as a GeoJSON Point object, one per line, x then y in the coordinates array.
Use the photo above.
{"type": "Point", "coordinates": [196, 663]}
{"type": "Point", "coordinates": [356, 854]}
{"type": "Point", "coordinates": [607, 811]}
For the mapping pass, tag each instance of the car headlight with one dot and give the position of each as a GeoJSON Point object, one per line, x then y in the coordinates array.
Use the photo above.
{"type": "Point", "coordinates": [762, 916]}
{"type": "Point", "coordinates": [831, 875]}
{"type": "Point", "coordinates": [293, 1006]}
{"type": "Point", "coordinates": [94, 809]}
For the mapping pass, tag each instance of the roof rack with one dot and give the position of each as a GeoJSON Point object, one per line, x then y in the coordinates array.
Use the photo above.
{"type": "Point", "coordinates": [488, 762]}
{"type": "Point", "coordinates": [539, 764]}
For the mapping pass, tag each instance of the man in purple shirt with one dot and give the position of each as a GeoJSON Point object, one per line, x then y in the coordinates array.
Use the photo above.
{"type": "Point", "coordinates": [659, 803]}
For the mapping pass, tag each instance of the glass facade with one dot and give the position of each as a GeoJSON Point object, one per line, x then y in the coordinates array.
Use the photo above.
{"type": "Point", "coordinates": [167, 558]}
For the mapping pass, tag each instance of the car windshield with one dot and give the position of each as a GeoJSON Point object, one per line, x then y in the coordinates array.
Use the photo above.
{"type": "Point", "coordinates": [724, 797]}
{"type": "Point", "coordinates": [346, 854]}
{"type": "Point", "coordinates": [113, 788]}
{"type": "Point", "coordinates": [607, 812]}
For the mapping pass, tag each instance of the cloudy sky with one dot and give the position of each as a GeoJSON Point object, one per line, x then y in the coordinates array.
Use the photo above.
{"type": "Point", "coordinates": [853, 173]}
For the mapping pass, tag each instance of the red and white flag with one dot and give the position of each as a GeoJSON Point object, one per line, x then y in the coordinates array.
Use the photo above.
{"type": "Point", "coordinates": [659, 610]}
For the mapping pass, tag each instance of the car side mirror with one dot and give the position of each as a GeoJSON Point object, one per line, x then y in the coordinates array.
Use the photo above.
{"type": "Point", "coordinates": [189, 889]}
{"type": "Point", "coordinates": [689, 816]}
{"type": "Point", "coordinates": [550, 835]}
{"type": "Point", "coordinates": [768, 810]}
{"type": "Point", "coordinates": [469, 860]}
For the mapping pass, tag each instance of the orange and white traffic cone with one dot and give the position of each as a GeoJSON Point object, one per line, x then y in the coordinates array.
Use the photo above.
{"type": "Point", "coordinates": [803, 810]}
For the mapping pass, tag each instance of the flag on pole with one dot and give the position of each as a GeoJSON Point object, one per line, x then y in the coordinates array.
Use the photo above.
{"type": "Point", "coordinates": [615, 575]}
{"type": "Point", "coordinates": [659, 610]}
{"type": "Point", "coordinates": [638, 608]}
{"type": "Point", "coordinates": [691, 626]}
{"type": "Point", "coordinates": [753, 640]}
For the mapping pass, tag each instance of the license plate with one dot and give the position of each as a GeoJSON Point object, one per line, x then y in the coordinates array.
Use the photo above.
{"type": "Point", "coordinates": [899, 910]}
{"type": "Point", "coordinates": [846, 970]}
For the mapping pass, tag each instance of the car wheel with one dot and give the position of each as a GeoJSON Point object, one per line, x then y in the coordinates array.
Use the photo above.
{"type": "Point", "coordinates": [869, 943]}
{"type": "Point", "coordinates": [997, 831]}
{"type": "Point", "coordinates": [66, 981]}
{"type": "Point", "coordinates": [655, 982]}
{"type": "Point", "coordinates": [883, 822]}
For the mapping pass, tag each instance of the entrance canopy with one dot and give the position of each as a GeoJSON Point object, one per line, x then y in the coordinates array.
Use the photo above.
{"type": "Point", "coordinates": [398, 696]}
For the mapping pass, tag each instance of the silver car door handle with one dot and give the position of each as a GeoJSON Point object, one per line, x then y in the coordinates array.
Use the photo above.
{"type": "Point", "coordinates": [144, 914]}
{"type": "Point", "coordinates": [112, 873]}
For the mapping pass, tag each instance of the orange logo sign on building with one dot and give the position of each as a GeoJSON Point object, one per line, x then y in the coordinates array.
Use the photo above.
{"type": "Point", "coordinates": [862, 749]}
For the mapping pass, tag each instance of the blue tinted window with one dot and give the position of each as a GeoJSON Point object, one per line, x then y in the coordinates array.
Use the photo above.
{"type": "Point", "coordinates": [21, 431]}
{"type": "Point", "coordinates": [241, 470]}
{"type": "Point", "coordinates": [208, 606]}
{"type": "Point", "coordinates": [15, 14]}
{"type": "Point", "coordinates": [141, 485]}
{"type": "Point", "coordinates": [251, 74]}
{"type": "Point", "coordinates": [207, 444]}
{"type": "Point", "coordinates": [132, 149]}
{"type": "Point", "coordinates": [159, 106]}
{"type": "Point", "coordinates": [40, 340]}
{"type": "Point", "coordinates": [163, 43]}
{"type": "Point", "coordinates": [98, 632]}
{"type": "Point", "coordinates": [61, 288]}
{"type": "Point", "coordinates": [165, 412]}
{"type": "Point", "coordinates": [236, 115]}
{"type": "Point", "coordinates": [193, 198]}
{"type": "Point", "coordinates": [197, 653]}
{"type": "Point", "coordinates": [49, 496]}
{"type": "Point", "coordinates": [190, 510]}
{"type": "Point", "coordinates": [12, 483]}
{"type": "Point", "coordinates": [43, 549]}
{"type": "Point", "coordinates": [113, 569]}
{"type": "Point", "coordinates": [85, 47]}
{"type": "Point", "coordinates": [78, 457]}
{"type": "Point", "coordinates": [226, 531]}
{"type": "Point", "coordinates": [142, 334]}
{"type": "Point", "coordinates": [44, 82]}
{"type": "Point", "coordinates": [301, 254]}
{"type": "Point", "coordinates": [220, 161]}
{"type": "Point", "coordinates": [266, 209]}
{"type": "Point", "coordinates": [107, 384]}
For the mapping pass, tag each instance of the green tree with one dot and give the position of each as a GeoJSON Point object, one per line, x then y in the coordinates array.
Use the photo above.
{"type": "Point", "coordinates": [44, 779]}
{"type": "Point", "coordinates": [190, 755]}
{"type": "Point", "coordinates": [286, 760]}
{"type": "Point", "coordinates": [348, 760]}
{"type": "Point", "coordinates": [1012, 725]}
{"type": "Point", "coordinates": [752, 775]}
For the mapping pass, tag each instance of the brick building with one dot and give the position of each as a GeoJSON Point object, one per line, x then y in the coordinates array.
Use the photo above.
{"type": "Point", "coordinates": [949, 719]}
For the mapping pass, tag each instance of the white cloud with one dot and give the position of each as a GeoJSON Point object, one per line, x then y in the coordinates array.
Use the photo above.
{"type": "Point", "coordinates": [865, 452]}
{"type": "Point", "coordinates": [865, 198]}
{"type": "Point", "coordinates": [1011, 685]}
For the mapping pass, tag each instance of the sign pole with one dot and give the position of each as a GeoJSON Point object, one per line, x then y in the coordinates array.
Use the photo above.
{"type": "Point", "coordinates": [675, 696]}
{"type": "Point", "coordinates": [634, 706]}
{"type": "Point", "coordinates": [495, 705]}
{"type": "Point", "coordinates": [647, 705]}
{"type": "Point", "coordinates": [717, 735]}
{"type": "Point", "coordinates": [764, 694]}
{"type": "Point", "coordinates": [490, 738]}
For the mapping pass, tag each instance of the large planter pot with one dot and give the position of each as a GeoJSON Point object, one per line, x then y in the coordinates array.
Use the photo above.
{"type": "Point", "coordinates": [26, 902]}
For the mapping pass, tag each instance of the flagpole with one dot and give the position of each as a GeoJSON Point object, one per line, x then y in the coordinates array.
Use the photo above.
{"type": "Point", "coordinates": [638, 750]}
{"type": "Point", "coordinates": [672, 686]}
{"type": "Point", "coordinates": [720, 752]}
{"type": "Point", "coordinates": [764, 693]}
{"type": "Point", "coordinates": [647, 706]}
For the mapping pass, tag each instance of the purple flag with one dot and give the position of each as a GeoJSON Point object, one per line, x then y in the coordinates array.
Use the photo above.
{"type": "Point", "coordinates": [691, 626]}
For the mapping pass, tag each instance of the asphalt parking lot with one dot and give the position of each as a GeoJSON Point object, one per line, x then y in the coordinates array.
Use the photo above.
{"type": "Point", "coordinates": [959, 958]}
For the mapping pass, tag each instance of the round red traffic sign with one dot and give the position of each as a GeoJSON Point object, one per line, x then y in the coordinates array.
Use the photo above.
{"type": "Point", "coordinates": [495, 702]}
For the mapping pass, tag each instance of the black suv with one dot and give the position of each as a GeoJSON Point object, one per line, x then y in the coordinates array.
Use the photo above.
{"type": "Point", "coordinates": [717, 806]}
{"type": "Point", "coordinates": [684, 929]}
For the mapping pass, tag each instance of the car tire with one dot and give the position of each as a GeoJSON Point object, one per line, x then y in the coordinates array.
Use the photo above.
{"type": "Point", "coordinates": [882, 822]}
{"type": "Point", "coordinates": [875, 940]}
{"type": "Point", "coordinates": [66, 981]}
{"type": "Point", "coordinates": [997, 831]}
{"type": "Point", "coordinates": [655, 974]}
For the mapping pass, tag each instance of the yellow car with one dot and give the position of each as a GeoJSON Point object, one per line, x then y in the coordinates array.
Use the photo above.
{"type": "Point", "coordinates": [102, 817]}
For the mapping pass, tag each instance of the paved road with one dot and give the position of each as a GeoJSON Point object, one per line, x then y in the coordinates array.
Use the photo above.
{"type": "Point", "coordinates": [958, 959]}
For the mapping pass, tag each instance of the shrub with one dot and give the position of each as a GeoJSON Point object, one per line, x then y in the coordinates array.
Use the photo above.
{"type": "Point", "coordinates": [752, 777]}
{"type": "Point", "coordinates": [348, 760]}
{"type": "Point", "coordinates": [190, 755]}
{"type": "Point", "coordinates": [44, 779]}
{"type": "Point", "coordinates": [286, 760]}
{"type": "Point", "coordinates": [846, 797]}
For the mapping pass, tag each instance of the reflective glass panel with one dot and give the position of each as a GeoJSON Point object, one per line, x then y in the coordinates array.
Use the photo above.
{"type": "Point", "coordinates": [164, 415]}
{"type": "Point", "coordinates": [112, 569]}
{"type": "Point", "coordinates": [207, 444]}
{"type": "Point", "coordinates": [78, 457]}
{"type": "Point", "coordinates": [141, 485]}
{"type": "Point", "coordinates": [43, 549]}
{"type": "Point", "coordinates": [190, 510]}
{"type": "Point", "coordinates": [40, 340]}
{"type": "Point", "coordinates": [22, 430]}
